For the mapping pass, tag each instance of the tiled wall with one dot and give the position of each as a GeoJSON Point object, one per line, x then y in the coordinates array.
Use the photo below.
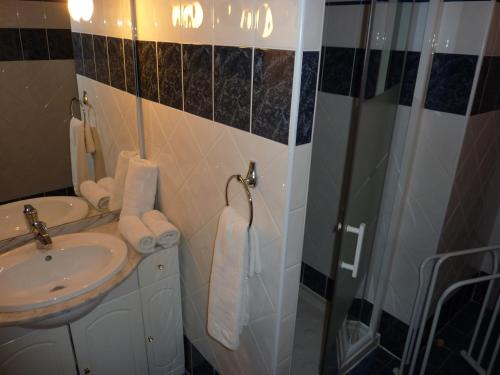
{"type": "Point", "coordinates": [105, 69]}
{"type": "Point", "coordinates": [38, 81]}
{"type": "Point", "coordinates": [439, 198]}
{"type": "Point", "coordinates": [214, 98]}
{"type": "Point", "coordinates": [341, 68]}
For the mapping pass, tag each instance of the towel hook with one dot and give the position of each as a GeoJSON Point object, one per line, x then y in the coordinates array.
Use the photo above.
{"type": "Point", "coordinates": [250, 181]}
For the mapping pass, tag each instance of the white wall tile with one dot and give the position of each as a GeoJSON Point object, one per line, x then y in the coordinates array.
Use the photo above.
{"type": "Point", "coordinates": [276, 24]}
{"type": "Point", "coordinates": [295, 236]}
{"type": "Point", "coordinates": [291, 291]}
{"type": "Point", "coordinates": [300, 176]}
{"type": "Point", "coordinates": [314, 13]}
{"type": "Point", "coordinates": [343, 25]}
{"type": "Point", "coordinates": [8, 14]}
{"type": "Point", "coordinates": [234, 22]}
{"type": "Point", "coordinates": [493, 45]}
{"type": "Point", "coordinates": [56, 15]}
{"type": "Point", "coordinates": [463, 26]}
{"type": "Point", "coordinates": [287, 331]}
{"type": "Point", "coordinates": [31, 14]}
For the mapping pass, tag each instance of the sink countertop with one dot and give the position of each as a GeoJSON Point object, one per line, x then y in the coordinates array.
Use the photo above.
{"type": "Point", "coordinates": [24, 317]}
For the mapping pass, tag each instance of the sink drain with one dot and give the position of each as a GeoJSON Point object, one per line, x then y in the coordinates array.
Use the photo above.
{"type": "Point", "coordinates": [48, 258]}
{"type": "Point", "coordinates": [57, 287]}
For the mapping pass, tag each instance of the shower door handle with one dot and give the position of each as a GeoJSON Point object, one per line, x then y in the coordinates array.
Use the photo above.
{"type": "Point", "coordinates": [360, 232]}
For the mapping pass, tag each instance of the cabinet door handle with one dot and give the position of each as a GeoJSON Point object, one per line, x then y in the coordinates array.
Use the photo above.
{"type": "Point", "coordinates": [86, 371]}
{"type": "Point", "coordinates": [161, 267]}
{"type": "Point", "coordinates": [151, 339]}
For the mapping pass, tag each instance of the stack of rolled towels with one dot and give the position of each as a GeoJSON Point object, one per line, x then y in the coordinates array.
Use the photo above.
{"type": "Point", "coordinates": [149, 231]}
{"type": "Point", "coordinates": [98, 194]}
{"type": "Point", "coordinates": [142, 226]}
{"type": "Point", "coordinates": [107, 193]}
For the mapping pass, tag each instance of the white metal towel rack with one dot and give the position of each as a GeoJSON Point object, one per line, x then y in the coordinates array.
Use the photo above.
{"type": "Point", "coordinates": [422, 308]}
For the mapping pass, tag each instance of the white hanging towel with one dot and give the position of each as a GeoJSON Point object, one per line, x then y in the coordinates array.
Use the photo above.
{"type": "Point", "coordinates": [121, 170]}
{"type": "Point", "coordinates": [89, 139]}
{"type": "Point", "coordinates": [234, 252]}
{"type": "Point", "coordinates": [80, 170]}
{"type": "Point", "coordinates": [140, 187]}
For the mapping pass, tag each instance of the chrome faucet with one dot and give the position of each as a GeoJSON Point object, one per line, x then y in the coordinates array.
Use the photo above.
{"type": "Point", "coordinates": [38, 227]}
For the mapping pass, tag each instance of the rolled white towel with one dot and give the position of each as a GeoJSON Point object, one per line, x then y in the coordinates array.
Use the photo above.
{"type": "Point", "coordinates": [95, 194]}
{"type": "Point", "coordinates": [120, 175]}
{"type": "Point", "coordinates": [166, 234]}
{"type": "Point", "coordinates": [137, 234]}
{"type": "Point", "coordinates": [106, 183]}
{"type": "Point", "coordinates": [140, 187]}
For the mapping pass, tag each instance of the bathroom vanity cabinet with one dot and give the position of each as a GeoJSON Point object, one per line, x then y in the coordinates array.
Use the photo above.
{"type": "Point", "coordinates": [135, 330]}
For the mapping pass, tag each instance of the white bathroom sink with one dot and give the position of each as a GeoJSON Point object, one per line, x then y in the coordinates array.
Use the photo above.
{"type": "Point", "coordinates": [51, 210]}
{"type": "Point", "coordinates": [77, 263]}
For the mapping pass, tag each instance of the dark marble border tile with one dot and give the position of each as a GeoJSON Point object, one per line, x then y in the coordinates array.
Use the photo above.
{"type": "Point", "coordinates": [357, 72]}
{"type": "Point", "coordinates": [128, 48]}
{"type": "Point", "coordinates": [272, 93]}
{"type": "Point", "coordinates": [337, 69]}
{"type": "Point", "coordinates": [10, 45]}
{"type": "Point", "coordinates": [116, 63]}
{"type": "Point", "coordinates": [309, 77]}
{"type": "Point", "coordinates": [88, 56]}
{"type": "Point", "coordinates": [76, 39]}
{"type": "Point", "coordinates": [194, 362]}
{"type": "Point", "coordinates": [101, 59]}
{"type": "Point", "coordinates": [197, 70]}
{"type": "Point", "coordinates": [487, 96]}
{"type": "Point", "coordinates": [394, 69]}
{"type": "Point", "coordinates": [34, 43]}
{"type": "Point", "coordinates": [170, 74]}
{"type": "Point", "coordinates": [60, 44]}
{"type": "Point", "coordinates": [148, 75]}
{"type": "Point", "coordinates": [450, 83]}
{"type": "Point", "coordinates": [409, 78]}
{"type": "Point", "coordinates": [373, 73]}
{"type": "Point", "coordinates": [232, 86]}
{"type": "Point", "coordinates": [313, 279]}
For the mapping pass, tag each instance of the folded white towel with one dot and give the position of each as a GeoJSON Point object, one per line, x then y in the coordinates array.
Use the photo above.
{"type": "Point", "coordinates": [80, 170]}
{"type": "Point", "coordinates": [166, 234]}
{"type": "Point", "coordinates": [136, 233]}
{"type": "Point", "coordinates": [89, 139]}
{"type": "Point", "coordinates": [228, 296]}
{"type": "Point", "coordinates": [106, 183]}
{"type": "Point", "coordinates": [95, 194]}
{"type": "Point", "coordinates": [140, 187]}
{"type": "Point", "coordinates": [120, 177]}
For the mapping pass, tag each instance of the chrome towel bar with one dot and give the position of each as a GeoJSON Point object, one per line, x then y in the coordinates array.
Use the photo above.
{"type": "Point", "coordinates": [250, 181]}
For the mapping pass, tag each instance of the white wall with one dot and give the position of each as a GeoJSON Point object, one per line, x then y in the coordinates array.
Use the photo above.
{"type": "Point", "coordinates": [197, 155]}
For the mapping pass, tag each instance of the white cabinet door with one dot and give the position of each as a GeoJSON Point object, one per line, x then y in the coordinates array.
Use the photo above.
{"type": "Point", "coordinates": [163, 324]}
{"type": "Point", "coordinates": [43, 352]}
{"type": "Point", "coordinates": [110, 339]}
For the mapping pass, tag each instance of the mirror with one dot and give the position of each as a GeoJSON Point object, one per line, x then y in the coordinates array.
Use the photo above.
{"type": "Point", "coordinates": [48, 60]}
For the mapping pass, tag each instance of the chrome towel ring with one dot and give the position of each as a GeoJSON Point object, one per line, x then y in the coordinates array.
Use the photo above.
{"type": "Point", "coordinates": [250, 181]}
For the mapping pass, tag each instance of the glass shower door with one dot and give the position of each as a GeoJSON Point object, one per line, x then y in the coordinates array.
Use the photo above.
{"type": "Point", "coordinates": [367, 159]}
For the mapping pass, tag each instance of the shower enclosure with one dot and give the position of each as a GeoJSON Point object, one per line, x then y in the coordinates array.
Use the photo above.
{"type": "Point", "coordinates": [367, 73]}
